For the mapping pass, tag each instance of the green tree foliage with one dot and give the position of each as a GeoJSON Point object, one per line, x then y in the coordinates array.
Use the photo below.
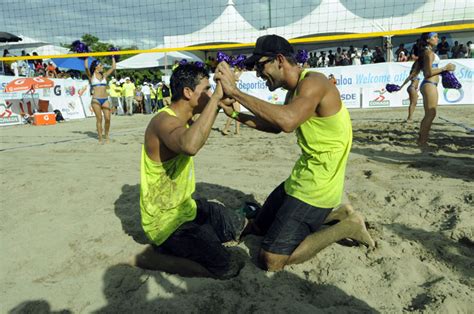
{"type": "Point", "coordinates": [140, 75]}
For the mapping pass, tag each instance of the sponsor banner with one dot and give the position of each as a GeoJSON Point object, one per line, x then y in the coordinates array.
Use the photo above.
{"type": "Point", "coordinates": [380, 98]}
{"type": "Point", "coordinates": [250, 84]}
{"type": "Point", "coordinates": [71, 97]}
{"type": "Point", "coordinates": [368, 83]}
{"type": "Point", "coordinates": [464, 73]}
{"type": "Point", "coordinates": [372, 78]}
{"type": "Point", "coordinates": [7, 116]}
{"type": "Point", "coordinates": [350, 96]}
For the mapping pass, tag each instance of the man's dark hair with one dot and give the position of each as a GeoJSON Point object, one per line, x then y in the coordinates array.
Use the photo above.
{"type": "Point", "coordinates": [291, 59]}
{"type": "Point", "coordinates": [186, 75]}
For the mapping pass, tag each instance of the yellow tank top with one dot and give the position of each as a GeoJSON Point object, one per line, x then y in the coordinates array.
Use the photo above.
{"type": "Point", "coordinates": [318, 176]}
{"type": "Point", "coordinates": [165, 194]}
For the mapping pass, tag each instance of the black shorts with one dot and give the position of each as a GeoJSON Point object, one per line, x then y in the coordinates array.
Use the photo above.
{"type": "Point", "coordinates": [201, 240]}
{"type": "Point", "coordinates": [287, 221]}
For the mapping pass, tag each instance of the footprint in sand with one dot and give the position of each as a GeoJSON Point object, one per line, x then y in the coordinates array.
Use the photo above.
{"type": "Point", "coordinates": [368, 173]}
{"type": "Point", "coordinates": [468, 198]}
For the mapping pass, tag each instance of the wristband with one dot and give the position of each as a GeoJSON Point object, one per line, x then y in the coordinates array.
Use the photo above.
{"type": "Point", "coordinates": [234, 114]}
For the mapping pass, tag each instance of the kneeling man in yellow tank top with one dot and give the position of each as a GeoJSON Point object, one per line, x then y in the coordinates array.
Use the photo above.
{"type": "Point", "coordinates": [293, 214]}
{"type": "Point", "coordinates": [186, 234]}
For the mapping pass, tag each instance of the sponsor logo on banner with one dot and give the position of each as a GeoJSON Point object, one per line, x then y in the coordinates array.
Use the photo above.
{"type": "Point", "coordinates": [453, 96]}
{"type": "Point", "coordinates": [7, 116]}
{"type": "Point", "coordinates": [246, 86]}
{"type": "Point", "coordinates": [343, 80]}
{"type": "Point", "coordinates": [349, 97]}
{"type": "Point", "coordinates": [466, 74]}
{"type": "Point", "coordinates": [70, 90]}
{"type": "Point", "coordinates": [273, 98]}
{"type": "Point", "coordinates": [380, 100]}
{"type": "Point", "coordinates": [57, 90]}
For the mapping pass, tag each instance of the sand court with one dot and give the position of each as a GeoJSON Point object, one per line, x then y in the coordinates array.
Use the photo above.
{"type": "Point", "coordinates": [70, 219]}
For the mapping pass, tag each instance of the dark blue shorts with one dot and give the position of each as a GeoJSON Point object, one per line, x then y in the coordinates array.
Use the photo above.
{"type": "Point", "coordinates": [201, 240]}
{"type": "Point", "coordinates": [287, 221]}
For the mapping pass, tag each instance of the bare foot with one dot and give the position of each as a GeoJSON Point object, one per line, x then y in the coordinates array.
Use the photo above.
{"type": "Point", "coordinates": [359, 232]}
{"type": "Point", "coordinates": [225, 132]}
{"type": "Point", "coordinates": [341, 213]}
{"type": "Point", "coordinates": [107, 140]}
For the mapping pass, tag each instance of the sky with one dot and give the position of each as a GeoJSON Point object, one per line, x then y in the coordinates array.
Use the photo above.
{"type": "Point", "coordinates": [142, 23]}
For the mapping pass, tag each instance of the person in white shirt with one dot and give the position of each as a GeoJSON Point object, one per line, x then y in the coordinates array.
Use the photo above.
{"type": "Point", "coordinates": [147, 97]}
{"type": "Point", "coordinates": [355, 57]}
{"type": "Point", "coordinates": [323, 60]}
{"type": "Point", "coordinates": [14, 68]}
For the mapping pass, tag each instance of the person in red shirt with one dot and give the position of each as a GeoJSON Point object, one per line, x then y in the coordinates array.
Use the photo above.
{"type": "Point", "coordinates": [51, 70]}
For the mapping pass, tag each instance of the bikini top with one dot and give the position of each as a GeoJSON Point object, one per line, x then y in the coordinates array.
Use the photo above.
{"type": "Point", "coordinates": [435, 61]}
{"type": "Point", "coordinates": [96, 82]}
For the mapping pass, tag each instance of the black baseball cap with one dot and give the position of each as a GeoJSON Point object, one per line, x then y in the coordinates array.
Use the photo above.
{"type": "Point", "coordinates": [269, 45]}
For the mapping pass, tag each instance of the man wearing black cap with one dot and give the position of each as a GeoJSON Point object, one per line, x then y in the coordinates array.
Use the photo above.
{"type": "Point", "coordinates": [292, 215]}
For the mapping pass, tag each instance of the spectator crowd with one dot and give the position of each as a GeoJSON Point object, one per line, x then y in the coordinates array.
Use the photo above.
{"type": "Point", "coordinates": [354, 56]}
{"type": "Point", "coordinates": [317, 59]}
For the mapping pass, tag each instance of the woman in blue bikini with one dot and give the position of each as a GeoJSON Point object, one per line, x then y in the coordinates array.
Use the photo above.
{"type": "Point", "coordinates": [412, 89]}
{"type": "Point", "coordinates": [100, 101]}
{"type": "Point", "coordinates": [428, 62]}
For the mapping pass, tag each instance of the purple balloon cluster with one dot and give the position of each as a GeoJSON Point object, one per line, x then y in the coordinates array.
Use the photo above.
{"type": "Point", "coordinates": [449, 80]}
{"type": "Point", "coordinates": [302, 56]}
{"type": "Point", "coordinates": [79, 47]}
{"type": "Point", "coordinates": [238, 62]}
{"type": "Point", "coordinates": [392, 88]}
{"type": "Point", "coordinates": [116, 57]}
{"type": "Point", "coordinates": [199, 64]}
{"type": "Point", "coordinates": [221, 56]}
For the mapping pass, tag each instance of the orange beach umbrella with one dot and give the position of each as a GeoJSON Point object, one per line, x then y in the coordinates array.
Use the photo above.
{"type": "Point", "coordinates": [28, 83]}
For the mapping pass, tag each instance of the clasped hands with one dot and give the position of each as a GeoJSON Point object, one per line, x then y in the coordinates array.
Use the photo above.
{"type": "Point", "coordinates": [225, 87]}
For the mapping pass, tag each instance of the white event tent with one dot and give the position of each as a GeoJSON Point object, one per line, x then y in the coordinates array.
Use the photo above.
{"type": "Point", "coordinates": [331, 17]}
{"type": "Point", "coordinates": [49, 50]}
{"type": "Point", "coordinates": [155, 59]}
{"type": "Point", "coordinates": [229, 27]}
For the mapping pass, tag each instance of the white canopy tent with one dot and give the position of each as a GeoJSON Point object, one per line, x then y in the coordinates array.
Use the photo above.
{"type": "Point", "coordinates": [229, 27]}
{"type": "Point", "coordinates": [406, 14]}
{"type": "Point", "coordinates": [49, 50]}
{"type": "Point", "coordinates": [331, 17]}
{"type": "Point", "coordinates": [155, 59]}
